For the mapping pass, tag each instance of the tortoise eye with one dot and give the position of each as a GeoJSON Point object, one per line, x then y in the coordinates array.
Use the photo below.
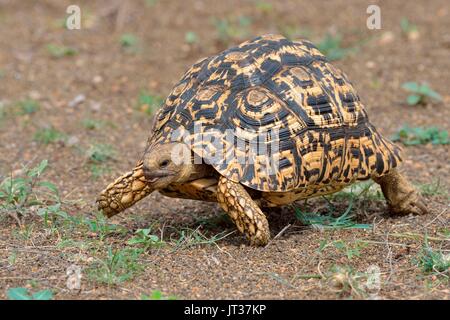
{"type": "Point", "coordinates": [164, 164]}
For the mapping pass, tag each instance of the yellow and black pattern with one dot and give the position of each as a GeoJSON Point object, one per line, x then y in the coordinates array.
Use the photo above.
{"type": "Point", "coordinates": [288, 93]}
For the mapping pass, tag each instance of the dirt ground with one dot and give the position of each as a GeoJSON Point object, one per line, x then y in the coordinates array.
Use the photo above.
{"type": "Point", "coordinates": [303, 262]}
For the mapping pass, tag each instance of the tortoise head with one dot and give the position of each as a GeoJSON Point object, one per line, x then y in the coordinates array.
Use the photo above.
{"type": "Point", "coordinates": [162, 165]}
{"type": "Point", "coordinates": [165, 164]}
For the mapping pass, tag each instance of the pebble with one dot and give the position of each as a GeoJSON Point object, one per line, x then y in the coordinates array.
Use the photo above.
{"type": "Point", "coordinates": [35, 95]}
{"type": "Point", "coordinates": [73, 140]}
{"type": "Point", "coordinates": [97, 79]}
{"type": "Point", "coordinates": [17, 173]}
{"type": "Point", "coordinates": [387, 37]}
{"type": "Point", "coordinates": [413, 35]}
{"type": "Point", "coordinates": [95, 106]}
{"type": "Point", "coordinates": [77, 100]}
{"type": "Point", "coordinates": [370, 64]}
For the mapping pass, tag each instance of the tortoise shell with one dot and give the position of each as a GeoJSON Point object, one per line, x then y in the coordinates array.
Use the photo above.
{"type": "Point", "coordinates": [291, 95]}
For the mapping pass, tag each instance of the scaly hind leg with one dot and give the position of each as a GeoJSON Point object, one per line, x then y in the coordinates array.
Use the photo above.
{"type": "Point", "coordinates": [124, 192]}
{"type": "Point", "coordinates": [245, 213]}
{"type": "Point", "coordinates": [400, 194]}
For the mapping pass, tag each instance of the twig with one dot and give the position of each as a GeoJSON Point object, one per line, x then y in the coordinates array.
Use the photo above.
{"type": "Point", "coordinates": [278, 235]}
{"type": "Point", "coordinates": [437, 217]}
{"type": "Point", "coordinates": [416, 236]}
{"type": "Point", "coordinates": [389, 254]}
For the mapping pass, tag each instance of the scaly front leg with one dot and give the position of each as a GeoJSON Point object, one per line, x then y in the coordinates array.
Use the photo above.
{"type": "Point", "coordinates": [245, 213]}
{"type": "Point", "coordinates": [124, 192]}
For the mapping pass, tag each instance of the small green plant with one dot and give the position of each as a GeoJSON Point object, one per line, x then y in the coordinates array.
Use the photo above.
{"type": "Point", "coordinates": [128, 40]}
{"type": "Point", "coordinates": [98, 170]}
{"type": "Point", "coordinates": [149, 103]}
{"type": "Point", "coordinates": [344, 221]}
{"type": "Point", "coordinates": [118, 266]}
{"type": "Point", "coordinates": [2, 111]}
{"type": "Point", "coordinates": [59, 51]}
{"type": "Point", "coordinates": [191, 37]}
{"type": "Point", "coordinates": [93, 124]}
{"type": "Point", "coordinates": [351, 250]}
{"type": "Point", "coordinates": [331, 46]}
{"type": "Point", "coordinates": [229, 30]}
{"type": "Point", "coordinates": [419, 135]}
{"type": "Point", "coordinates": [17, 194]}
{"type": "Point", "coordinates": [49, 135]}
{"type": "Point", "coordinates": [293, 32]}
{"type": "Point", "coordinates": [407, 26]}
{"type": "Point", "coordinates": [24, 232]}
{"type": "Point", "coordinates": [419, 93]}
{"type": "Point", "coordinates": [51, 213]}
{"type": "Point", "coordinates": [12, 258]}
{"type": "Point", "coordinates": [364, 191]}
{"type": "Point", "coordinates": [445, 232]}
{"type": "Point", "coordinates": [194, 237]}
{"type": "Point", "coordinates": [145, 239]}
{"type": "Point", "coordinates": [432, 261]}
{"type": "Point", "coordinates": [150, 3]}
{"type": "Point", "coordinates": [435, 188]}
{"type": "Point", "coordinates": [99, 152]}
{"type": "Point", "coordinates": [60, 23]}
{"type": "Point", "coordinates": [28, 106]}
{"type": "Point", "coordinates": [263, 6]}
{"type": "Point", "coordinates": [102, 227]}
{"type": "Point", "coordinates": [346, 281]}
{"type": "Point", "coordinates": [409, 29]}
{"type": "Point", "coordinates": [157, 295]}
{"type": "Point", "coordinates": [23, 294]}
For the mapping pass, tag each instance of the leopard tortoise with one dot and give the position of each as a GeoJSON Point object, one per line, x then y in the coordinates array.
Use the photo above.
{"type": "Point", "coordinates": [223, 119]}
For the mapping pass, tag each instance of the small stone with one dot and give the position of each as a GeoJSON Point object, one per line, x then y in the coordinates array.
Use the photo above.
{"type": "Point", "coordinates": [72, 141]}
{"type": "Point", "coordinates": [97, 79]}
{"type": "Point", "coordinates": [387, 37]}
{"type": "Point", "coordinates": [370, 64]}
{"type": "Point", "coordinates": [79, 62]}
{"type": "Point", "coordinates": [413, 35]}
{"type": "Point", "coordinates": [35, 95]}
{"type": "Point", "coordinates": [17, 173]}
{"type": "Point", "coordinates": [95, 106]}
{"type": "Point", "coordinates": [77, 100]}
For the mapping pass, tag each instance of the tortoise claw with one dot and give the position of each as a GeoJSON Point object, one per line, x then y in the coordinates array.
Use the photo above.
{"type": "Point", "coordinates": [412, 204]}
{"type": "Point", "coordinates": [401, 195]}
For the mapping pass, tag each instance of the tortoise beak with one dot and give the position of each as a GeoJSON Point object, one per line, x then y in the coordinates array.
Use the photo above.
{"type": "Point", "coordinates": [151, 176]}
